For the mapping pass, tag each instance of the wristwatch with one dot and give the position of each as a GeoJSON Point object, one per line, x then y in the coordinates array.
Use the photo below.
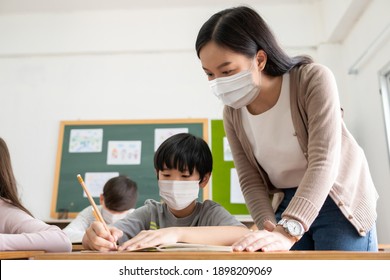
{"type": "Point", "coordinates": [292, 227]}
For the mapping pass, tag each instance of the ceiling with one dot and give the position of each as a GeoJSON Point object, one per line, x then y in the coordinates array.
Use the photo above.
{"type": "Point", "coordinates": [338, 24]}
{"type": "Point", "coordinates": [64, 6]}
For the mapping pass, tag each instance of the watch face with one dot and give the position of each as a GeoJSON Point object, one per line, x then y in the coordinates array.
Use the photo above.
{"type": "Point", "coordinates": [294, 228]}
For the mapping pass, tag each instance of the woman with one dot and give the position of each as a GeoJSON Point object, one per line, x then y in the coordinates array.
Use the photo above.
{"type": "Point", "coordinates": [19, 230]}
{"type": "Point", "coordinates": [284, 125]}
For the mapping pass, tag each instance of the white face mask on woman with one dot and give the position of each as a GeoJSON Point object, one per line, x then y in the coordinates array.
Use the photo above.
{"type": "Point", "coordinates": [178, 194]}
{"type": "Point", "coordinates": [237, 90]}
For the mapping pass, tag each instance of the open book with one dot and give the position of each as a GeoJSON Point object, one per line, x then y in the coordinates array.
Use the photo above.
{"type": "Point", "coordinates": [186, 247]}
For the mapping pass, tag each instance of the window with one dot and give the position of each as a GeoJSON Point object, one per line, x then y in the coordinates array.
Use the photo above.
{"type": "Point", "coordinates": [384, 79]}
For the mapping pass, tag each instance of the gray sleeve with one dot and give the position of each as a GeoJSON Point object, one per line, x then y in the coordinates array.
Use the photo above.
{"type": "Point", "coordinates": [134, 223]}
{"type": "Point", "coordinates": [214, 214]}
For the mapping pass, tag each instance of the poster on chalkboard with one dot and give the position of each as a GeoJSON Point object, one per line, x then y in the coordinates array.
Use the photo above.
{"type": "Point", "coordinates": [86, 140]}
{"type": "Point", "coordinates": [96, 181]}
{"type": "Point", "coordinates": [236, 195]}
{"type": "Point", "coordinates": [124, 152]}
{"type": "Point", "coordinates": [162, 134]}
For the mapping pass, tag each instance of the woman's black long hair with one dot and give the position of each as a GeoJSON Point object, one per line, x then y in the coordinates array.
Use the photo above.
{"type": "Point", "coordinates": [242, 30]}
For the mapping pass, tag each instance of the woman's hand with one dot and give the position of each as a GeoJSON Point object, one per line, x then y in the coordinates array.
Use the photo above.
{"type": "Point", "coordinates": [265, 240]}
{"type": "Point", "coordinates": [96, 237]}
{"type": "Point", "coordinates": [150, 238]}
{"type": "Point", "coordinates": [268, 225]}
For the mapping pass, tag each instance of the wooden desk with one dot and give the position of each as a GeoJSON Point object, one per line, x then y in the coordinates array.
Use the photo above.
{"type": "Point", "coordinates": [291, 255]}
{"type": "Point", "coordinates": [384, 247]}
{"type": "Point", "coordinates": [18, 255]}
{"type": "Point", "coordinates": [77, 247]}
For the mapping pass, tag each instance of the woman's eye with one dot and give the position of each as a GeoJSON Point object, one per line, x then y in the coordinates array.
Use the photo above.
{"type": "Point", "coordinates": [209, 74]}
{"type": "Point", "coordinates": [227, 72]}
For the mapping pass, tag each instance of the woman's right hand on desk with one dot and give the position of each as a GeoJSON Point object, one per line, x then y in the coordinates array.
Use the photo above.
{"type": "Point", "coordinates": [267, 240]}
{"type": "Point", "coordinates": [96, 237]}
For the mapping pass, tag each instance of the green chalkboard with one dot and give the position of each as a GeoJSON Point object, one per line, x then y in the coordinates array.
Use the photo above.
{"type": "Point", "coordinates": [222, 169]}
{"type": "Point", "coordinates": [95, 147]}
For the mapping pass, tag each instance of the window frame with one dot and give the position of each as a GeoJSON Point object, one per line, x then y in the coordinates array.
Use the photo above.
{"type": "Point", "coordinates": [384, 82]}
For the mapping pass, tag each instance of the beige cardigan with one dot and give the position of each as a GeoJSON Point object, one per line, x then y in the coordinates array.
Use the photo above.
{"type": "Point", "coordinates": [337, 165]}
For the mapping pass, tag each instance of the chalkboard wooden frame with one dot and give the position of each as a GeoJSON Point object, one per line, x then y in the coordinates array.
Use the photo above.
{"type": "Point", "coordinates": [66, 185]}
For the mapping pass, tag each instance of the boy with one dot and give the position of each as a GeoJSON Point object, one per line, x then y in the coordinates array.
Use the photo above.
{"type": "Point", "coordinates": [183, 164]}
{"type": "Point", "coordinates": [119, 198]}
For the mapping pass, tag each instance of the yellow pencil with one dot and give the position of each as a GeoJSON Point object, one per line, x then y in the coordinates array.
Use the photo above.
{"type": "Point", "coordinates": [95, 215]}
{"type": "Point", "coordinates": [96, 211]}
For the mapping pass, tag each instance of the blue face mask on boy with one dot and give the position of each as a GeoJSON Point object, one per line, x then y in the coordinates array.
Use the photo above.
{"type": "Point", "coordinates": [178, 194]}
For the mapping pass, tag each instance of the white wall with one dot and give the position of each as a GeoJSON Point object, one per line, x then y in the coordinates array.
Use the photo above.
{"type": "Point", "coordinates": [141, 64]}
{"type": "Point", "coordinates": [365, 104]}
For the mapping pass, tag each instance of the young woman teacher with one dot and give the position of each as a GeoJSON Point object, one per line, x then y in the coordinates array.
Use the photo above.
{"type": "Point", "coordinates": [284, 123]}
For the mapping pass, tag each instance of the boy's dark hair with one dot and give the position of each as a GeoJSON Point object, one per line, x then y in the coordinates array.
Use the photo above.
{"type": "Point", "coordinates": [184, 151]}
{"type": "Point", "coordinates": [120, 193]}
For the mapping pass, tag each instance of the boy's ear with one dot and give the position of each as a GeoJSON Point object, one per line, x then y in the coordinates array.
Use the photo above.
{"type": "Point", "coordinates": [101, 199]}
{"type": "Point", "coordinates": [205, 180]}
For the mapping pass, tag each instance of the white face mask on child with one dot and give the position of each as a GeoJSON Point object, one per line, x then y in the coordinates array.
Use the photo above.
{"type": "Point", "coordinates": [178, 194]}
{"type": "Point", "coordinates": [111, 218]}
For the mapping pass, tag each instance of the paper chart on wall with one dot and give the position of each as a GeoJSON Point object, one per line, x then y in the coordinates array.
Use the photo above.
{"type": "Point", "coordinates": [161, 134]}
{"type": "Point", "coordinates": [95, 181]}
{"type": "Point", "coordinates": [124, 152]}
{"type": "Point", "coordinates": [235, 189]}
{"type": "Point", "coordinates": [227, 152]}
{"type": "Point", "coordinates": [86, 140]}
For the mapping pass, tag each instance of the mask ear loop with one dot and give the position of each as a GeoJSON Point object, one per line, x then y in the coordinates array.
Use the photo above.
{"type": "Point", "coordinates": [252, 65]}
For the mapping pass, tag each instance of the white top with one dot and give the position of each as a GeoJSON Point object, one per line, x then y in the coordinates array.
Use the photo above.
{"type": "Point", "coordinates": [21, 232]}
{"type": "Point", "coordinates": [274, 142]}
{"type": "Point", "coordinates": [76, 229]}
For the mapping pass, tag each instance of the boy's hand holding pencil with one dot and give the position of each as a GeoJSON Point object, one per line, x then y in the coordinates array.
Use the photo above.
{"type": "Point", "coordinates": [100, 227]}
{"type": "Point", "coordinates": [98, 238]}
